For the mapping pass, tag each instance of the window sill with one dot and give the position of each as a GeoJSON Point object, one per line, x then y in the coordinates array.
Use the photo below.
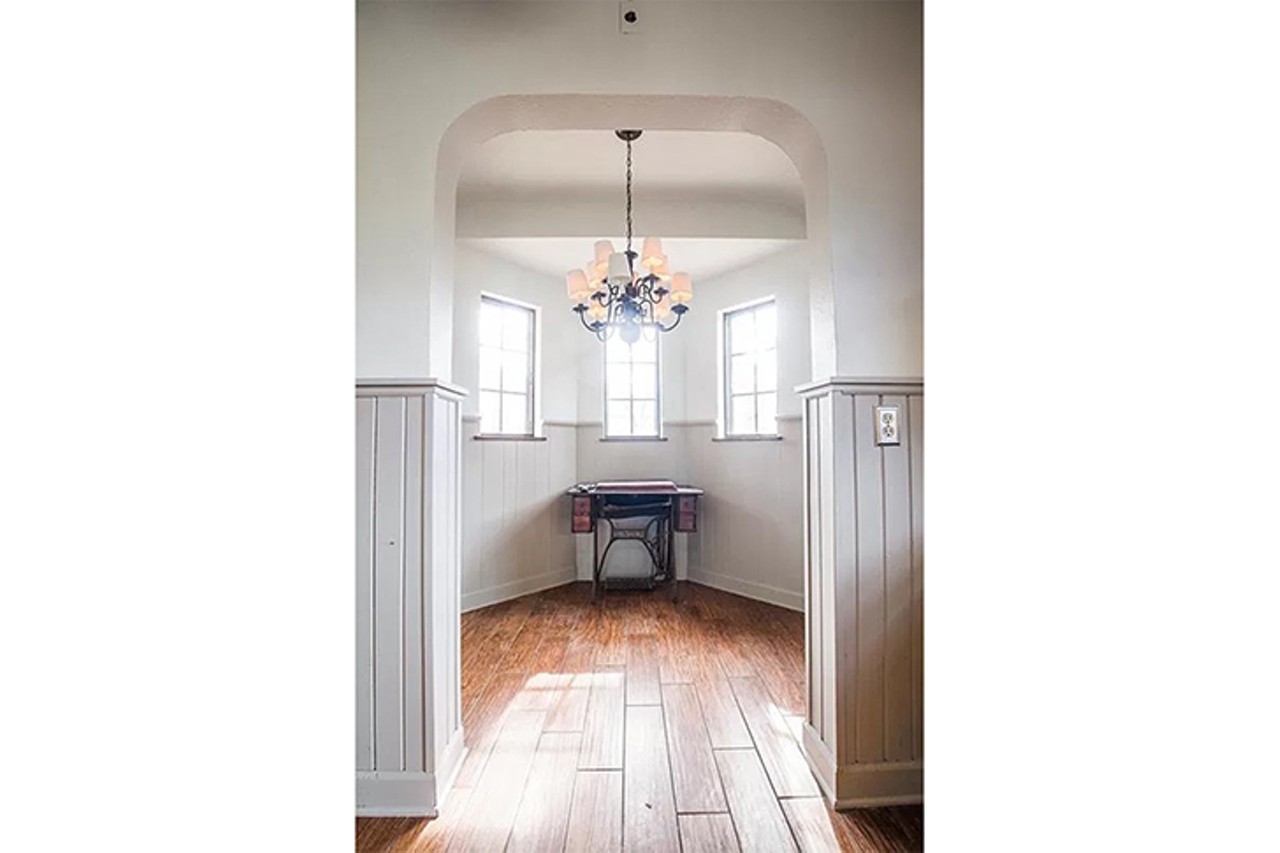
{"type": "Point", "coordinates": [746, 438]}
{"type": "Point", "coordinates": [625, 438]}
{"type": "Point", "coordinates": [500, 437]}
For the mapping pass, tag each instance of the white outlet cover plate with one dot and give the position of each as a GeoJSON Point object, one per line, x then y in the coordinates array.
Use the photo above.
{"type": "Point", "coordinates": [887, 426]}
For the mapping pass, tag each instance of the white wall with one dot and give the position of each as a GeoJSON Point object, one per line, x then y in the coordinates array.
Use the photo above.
{"type": "Point", "coordinates": [751, 538]}
{"type": "Point", "coordinates": [515, 521]}
{"type": "Point", "coordinates": [783, 276]}
{"type": "Point", "coordinates": [853, 70]}
{"type": "Point", "coordinates": [479, 271]}
{"type": "Point", "coordinates": [515, 515]}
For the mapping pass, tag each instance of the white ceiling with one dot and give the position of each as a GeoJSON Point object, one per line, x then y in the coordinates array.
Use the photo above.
{"type": "Point", "coordinates": [577, 161]}
{"type": "Point", "coordinates": [701, 258]}
{"type": "Point", "coordinates": [553, 171]}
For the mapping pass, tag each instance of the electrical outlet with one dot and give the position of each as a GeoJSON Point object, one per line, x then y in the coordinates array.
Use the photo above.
{"type": "Point", "coordinates": [887, 425]}
{"type": "Point", "coordinates": [628, 19]}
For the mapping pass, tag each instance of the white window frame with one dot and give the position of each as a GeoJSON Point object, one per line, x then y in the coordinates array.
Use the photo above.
{"type": "Point", "coordinates": [726, 365]}
{"type": "Point", "coordinates": [656, 435]}
{"type": "Point", "coordinates": [534, 355]}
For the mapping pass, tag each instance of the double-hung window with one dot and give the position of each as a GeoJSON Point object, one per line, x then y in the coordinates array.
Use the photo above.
{"type": "Point", "coordinates": [507, 331]}
{"type": "Point", "coordinates": [631, 388]}
{"type": "Point", "coordinates": [751, 369]}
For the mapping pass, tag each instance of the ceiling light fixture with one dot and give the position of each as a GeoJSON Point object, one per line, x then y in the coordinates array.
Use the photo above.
{"type": "Point", "coordinates": [620, 299]}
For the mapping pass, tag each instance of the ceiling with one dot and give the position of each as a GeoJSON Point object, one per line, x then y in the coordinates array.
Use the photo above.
{"type": "Point", "coordinates": [701, 258]}
{"type": "Point", "coordinates": [677, 175]}
{"type": "Point", "coordinates": [578, 161]}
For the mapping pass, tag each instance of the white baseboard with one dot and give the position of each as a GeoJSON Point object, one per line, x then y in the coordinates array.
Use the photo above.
{"type": "Point", "coordinates": [385, 794]}
{"type": "Point", "coordinates": [749, 589]}
{"type": "Point", "coordinates": [863, 786]}
{"type": "Point", "coordinates": [515, 589]}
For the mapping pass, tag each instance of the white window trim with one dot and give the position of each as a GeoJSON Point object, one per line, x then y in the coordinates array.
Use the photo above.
{"type": "Point", "coordinates": [534, 420]}
{"type": "Point", "coordinates": [722, 373]}
{"type": "Point", "coordinates": [660, 435]}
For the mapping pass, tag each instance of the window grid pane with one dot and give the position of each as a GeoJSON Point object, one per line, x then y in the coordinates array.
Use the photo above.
{"type": "Point", "coordinates": [631, 388]}
{"type": "Point", "coordinates": [751, 368]}
{"type": "Point", "coordinates": [506, 368]}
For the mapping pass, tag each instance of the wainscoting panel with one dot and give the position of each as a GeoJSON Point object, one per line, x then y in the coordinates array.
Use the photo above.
{"type": "Point", "coordinates": [366, 427]}
{"type": "Point", "coordinates": [750, 540]}
{"type": "Point", "coordinates": [408, 707]}
{"type": "Point", "coordinates": [864, 557]}
{"type": "Point", "coordinates": [516, 536]}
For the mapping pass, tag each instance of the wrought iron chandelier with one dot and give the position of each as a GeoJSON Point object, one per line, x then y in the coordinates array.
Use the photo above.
{"type": "Point", "coordinates": [621, 299]}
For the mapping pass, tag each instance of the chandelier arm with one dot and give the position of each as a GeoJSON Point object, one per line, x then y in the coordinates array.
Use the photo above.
{"type": "Point", "coordinates": [672, 327]}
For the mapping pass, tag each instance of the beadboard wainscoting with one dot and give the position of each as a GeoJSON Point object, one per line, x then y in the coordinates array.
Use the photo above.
{"type": "Point", "coordinates": [751, 537]}
{"type": "Point", "coordinates": [515, 533]}
{"type": "Point", "coordinates": [408, 529]}
{"type": "Point", "coordinates": [864, 559]}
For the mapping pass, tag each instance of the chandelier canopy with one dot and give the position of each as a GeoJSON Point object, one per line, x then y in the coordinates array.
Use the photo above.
{"type": "Point", "coordinates": [625, 298]}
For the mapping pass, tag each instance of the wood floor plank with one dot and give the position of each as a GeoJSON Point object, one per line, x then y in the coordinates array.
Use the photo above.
{"type": "Point", "coordinates": [603, 726]}
{"type": "Point", "coordinates": [649, 809]}
{"type": "Point", "coordinates": [811, 823]}
{"type": "Point", "coordinates": [492, 808]}
{"type": "Point", "coordinates": [779, 752]}
{"type": "Point", "coordinates": [569, 714]}
{"type": "Point", "coordinates": [541, 692]}
{"type": "Point", "coordinates": [595, 818]}
{"type": "Point", "coordinates": [543, 817]}
{"type": "Point", "coordinates": [642, 671]}
{"type": "Point", "coordinates": [706, 637]}
{"type": "Point", "coordinates": [707, 833]}
{"type": "Point", "coordinates": [725, 726]}
{"type": "Point", "coordinates": [482, 720]}
{"type": "Point", "coordinates": [693, 767]}
{"type": "Point", "coordinates": [756, 814]}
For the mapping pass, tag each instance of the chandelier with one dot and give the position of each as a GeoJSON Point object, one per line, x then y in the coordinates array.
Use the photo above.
{"type": "Point", "coordinates": [614, 296]}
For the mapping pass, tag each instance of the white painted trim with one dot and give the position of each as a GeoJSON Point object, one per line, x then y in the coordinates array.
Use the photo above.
{"type": "Point", "coordinates": [451, 759]}
{"type": "Point", "coordinates": [408, 388]}
{"type": "Point", "coordinates": [394, 794]}
{"type": "Point", "coordinates": [515, 589]}
{"type": "Point", "coordinates": [749, 589]}
{"type": "Point", "coordinates": [861, 385]}
{"type": "Point", "coordinates": [820, 760]}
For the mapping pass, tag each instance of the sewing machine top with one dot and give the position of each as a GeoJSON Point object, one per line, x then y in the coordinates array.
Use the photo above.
{"type": "Point", "coordinates": [633, 487]}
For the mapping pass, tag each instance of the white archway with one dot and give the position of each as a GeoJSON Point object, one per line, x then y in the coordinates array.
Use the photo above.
{"type": "Point", "coordinates": [769, 119]}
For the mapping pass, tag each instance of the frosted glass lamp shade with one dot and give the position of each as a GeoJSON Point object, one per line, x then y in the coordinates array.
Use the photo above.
{"type": "Point", "coordinates": [681, 288]}
{"type": "Point", "coordinates": [595, 277]}
{"type": "Point", "coordinates": [651, 255]}
{"type": "Point", "coordinates": [619, 269]}
{"type": "Point", "coordinates": [578, 287]}
{"type": "Point", "coordinates": [604, 248]}
{"type": "Point", "coordinates": [662, 271]}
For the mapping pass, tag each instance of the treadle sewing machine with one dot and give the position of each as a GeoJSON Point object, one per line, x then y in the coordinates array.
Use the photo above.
{"type": "Point", "coordinates": [664, 508]}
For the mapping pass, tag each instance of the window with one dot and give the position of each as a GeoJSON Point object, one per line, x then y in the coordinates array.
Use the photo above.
{"type": "Point", "coordinates": [506, 367]}
{"type": "Point", "coordinates": [751, 369]}
{"type": "Point", "coordinates": [631, 388]}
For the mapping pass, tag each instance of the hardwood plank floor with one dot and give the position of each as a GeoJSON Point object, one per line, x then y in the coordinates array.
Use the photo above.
{"type": "Point", "coordinates": [649, 807]}
{"type": "Point", "coordinates": [707, 833]}
{"type": "Point", "coordinates": [568, 709]}
{"type": "Point", "coordinates": [752, 804]}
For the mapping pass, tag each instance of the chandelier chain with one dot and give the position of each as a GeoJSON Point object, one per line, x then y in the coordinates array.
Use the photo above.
{"type": "Point", "coordinates": [628, 201]}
